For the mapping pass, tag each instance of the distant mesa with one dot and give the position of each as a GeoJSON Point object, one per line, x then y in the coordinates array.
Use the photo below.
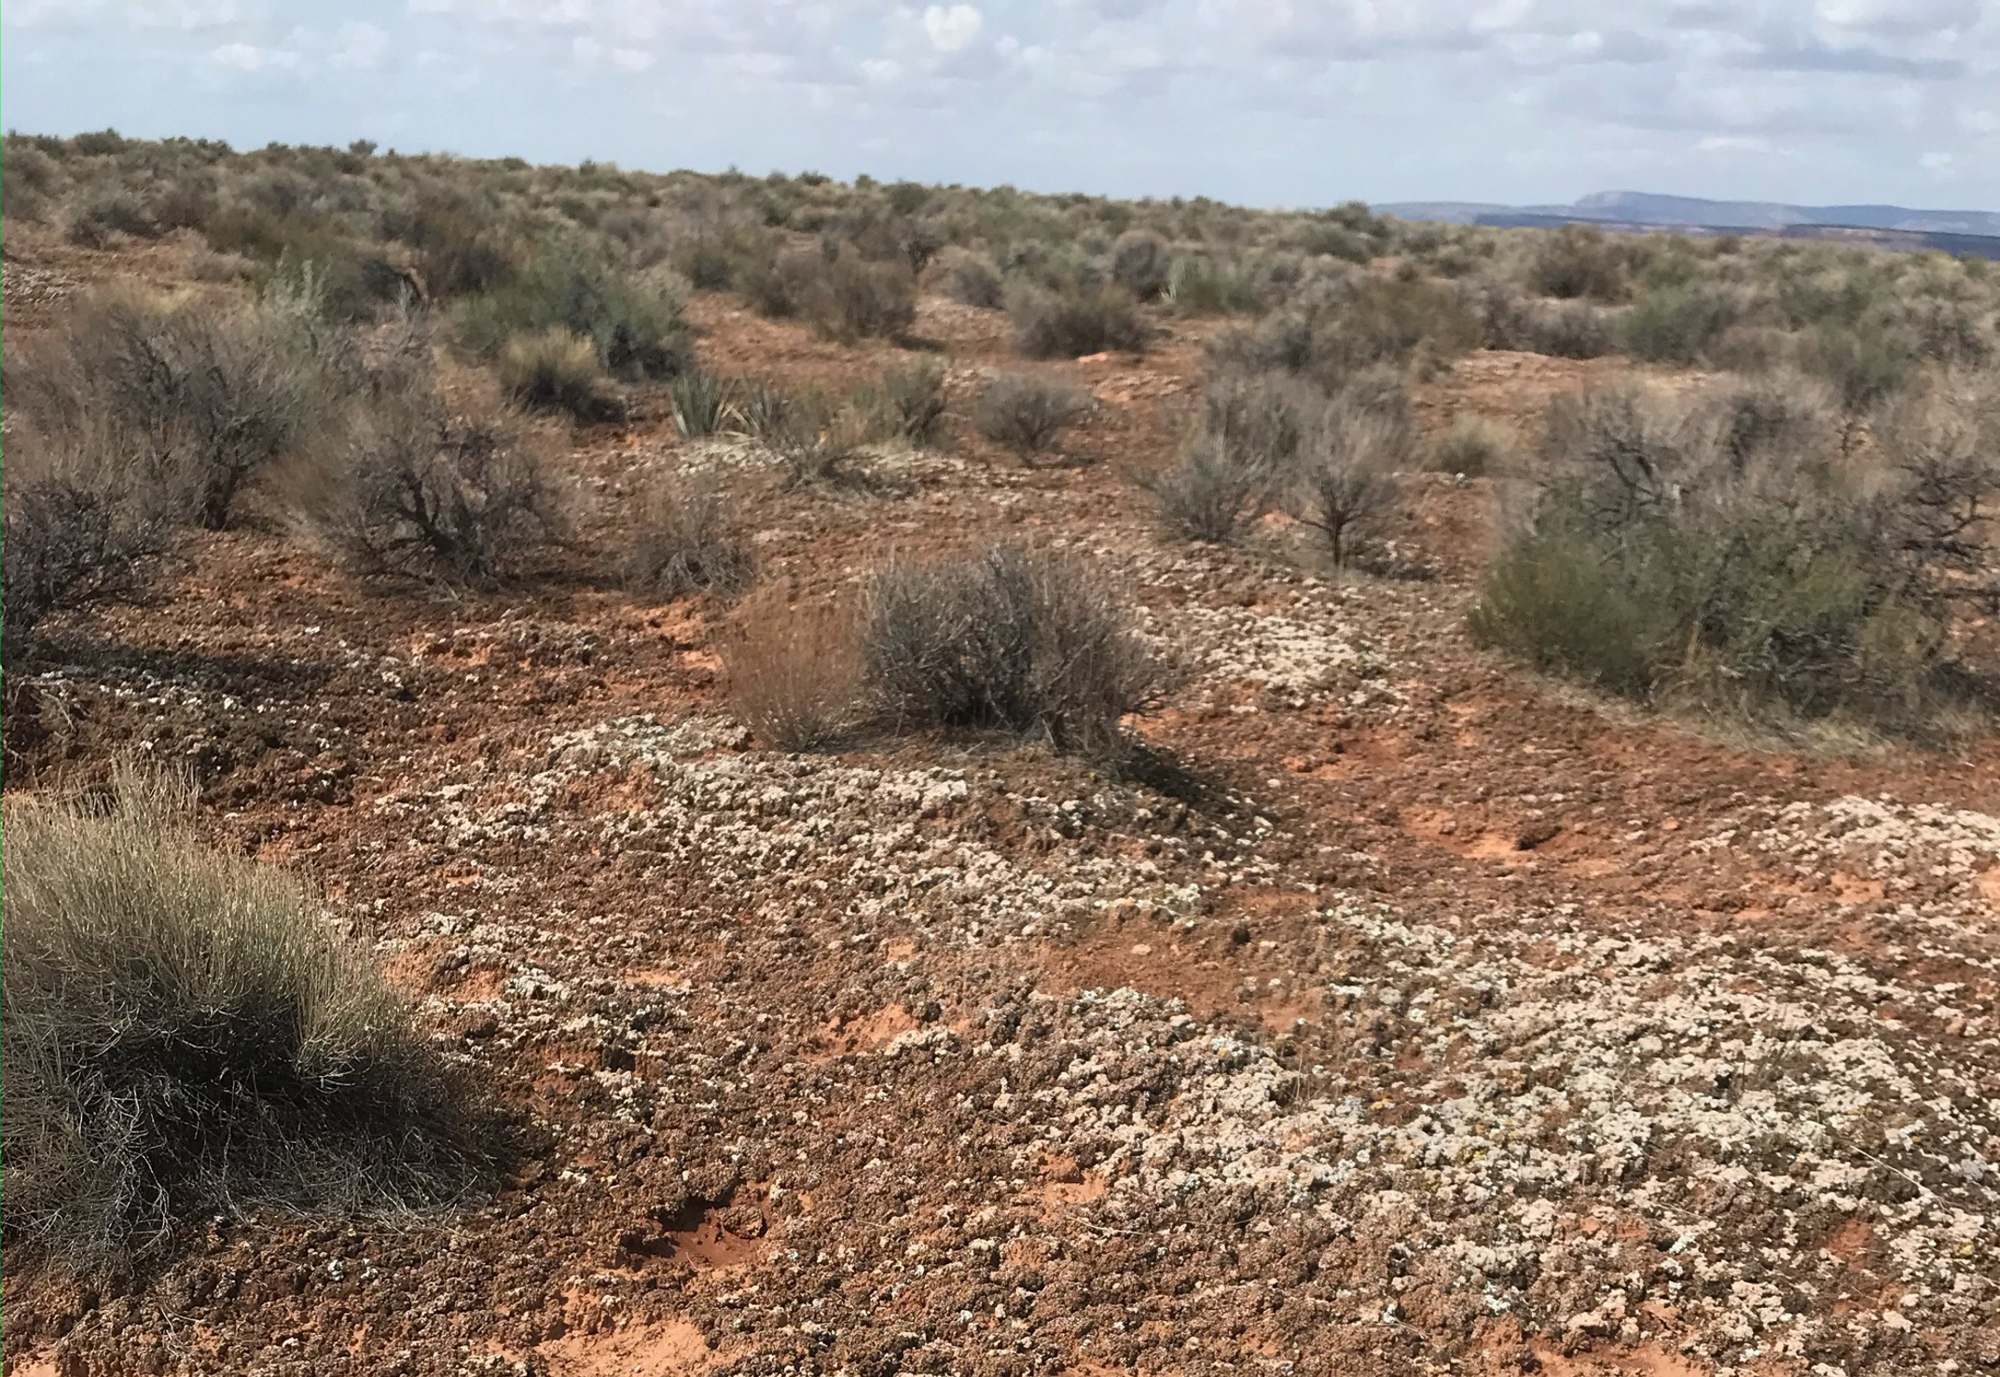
{"type": "Point", "coordinates": [1973, 232]}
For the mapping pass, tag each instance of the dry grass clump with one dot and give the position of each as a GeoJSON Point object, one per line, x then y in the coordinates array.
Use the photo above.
{"type": "Point", "coordinates": [1075, 321]}
{"type": "Point", "coordinates": [846, 295]}
{"type": "Point", "coordinates": [1026, 413]}
{"type": "Point", "coordinates": [184, 1036]}
{"type": "Point", "coordinates": [686, 543]}
{"type": "Point", "coordinates": [556, 370]}
{"type": "Point", "coordinates": [1730, 552]}
{"type": "Point", "coordinates": [1474, 446]}
{"type": "Point", "coordinates": [794, 675]}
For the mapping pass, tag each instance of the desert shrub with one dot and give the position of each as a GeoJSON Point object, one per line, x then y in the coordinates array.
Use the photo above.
{"type": "Point", "coordinates": [1141, 263]}
{"type": "Point", "coordinates": [794, 675]}
{"type": "Point", "coordinates": [1026, 413]}
{"type": "Point", "coordinates": [459, 496]}
{"type": "Point", "coordinates": [700, 401]}
{"type": "Point", "coordinates": [81, 521]}
{"type": "Point", "coordinates": [910, 405]}
{"type": "Point", "coordinates": [201, 397]}
{"type": "Point", "coordinates": [1474, 445]}
{"type": "Point", "coordinates": [851, 298]}
{"type": "Point", "coordinates": [1672, 558]}
{"type": "Point", "coordinates": [1863, 367]}
{"type": "Point", "coordinates": [686, 543]}
{"type": "Point", "coordinates": [1678, 324]}
{"type": "Point", "coordinates": [1782, 418]}
{"type": "Point", "coordinates": [1212, 491]}
{"type": "Point", "coordinates": [353, 282]}
{"type": "Point", "coordinates": [1201, 286]}
{"type": "Point", "coordinates": [633, 321]}
{"type": "Point", "coordinates": [556, 371]}
{"type": "Point", "coordinates": [28, 181]}
{"type": "Point", "coordinates": [1343, 480]}
{"type": "Point", "coordinates": [1578, 261]}
{"type": "Point", "coordinates": [974, 281]}
{"type": "Point", "coordinates": [184, 1036]}
{"type": "Point", "coordinates": [459, 251]}
{"type": "Point", "coordinates": [779, 418]}
{"type": "Point", "coordinates": [1003, 639]}
{"type": "Point", "coordinates": [1075, 321]}
{"type": "Point", "coordinates": [1262, 417]}
{"type": "Point", "coordinates": [111, 210]}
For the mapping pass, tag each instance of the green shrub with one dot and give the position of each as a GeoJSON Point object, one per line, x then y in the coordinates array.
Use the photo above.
{"type": "Point", "coordinates": [911, 403]}
{"type": "Point", "coordinates": [1004, 640]}
{"type": "Point", "coordinates": [850, 298]}
{"type": "Point", "coordinates": [685, 544]}
{"type": "Point", "coordinates": [1747, 567]}
{"type": "Point", "coordinates": [1207, 287]}
{"type": "Point", "coordinates": [701, 402]}
{"type": "Point", "coordinates": [107, 212]}
{"type": "Point", "coordinates": [184, 1036]}
{"type": "Point", "coordinates": [1027, 413]}
{"type": "Point", "coordinates": [1075, 321]}
{"type": "Point", "coordinates": [1678, 324]}
{"type": "Point", "coordinates": [1863, 367]}
{"type": "Point", "coordinates": [633, 321]}
{"type": "Point", "coordinates": [353, 282]}
{"type": "Point", "coordinates": [973, 281]}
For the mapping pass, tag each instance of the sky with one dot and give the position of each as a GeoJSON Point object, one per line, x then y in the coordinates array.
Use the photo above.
{"type": "Point", "coordinates": [1260, 102]}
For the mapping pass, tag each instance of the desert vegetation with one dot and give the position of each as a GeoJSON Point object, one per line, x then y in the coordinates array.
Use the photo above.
{"type": "Point", "coordinates": [988, 780]}
{"type": "Point", "coordinates": [184, 1034]}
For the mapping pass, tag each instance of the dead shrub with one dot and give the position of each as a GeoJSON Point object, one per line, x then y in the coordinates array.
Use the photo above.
{"type": "Point", "coordinates": [185, 1036]}
{"type": "Point", "coordinates": [1026, 413]}
{"type": "Point", "coordinates": [1004, 639]}
{"type": "Point", "coordinates": [686, 543]}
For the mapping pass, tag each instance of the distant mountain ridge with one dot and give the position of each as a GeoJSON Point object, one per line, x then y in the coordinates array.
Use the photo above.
{"type": "Point", "coordinates": [1627, 208]}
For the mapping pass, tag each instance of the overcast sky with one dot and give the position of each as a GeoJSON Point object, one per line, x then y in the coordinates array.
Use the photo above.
{"type": "Point", "coordinates": [1257, 101]}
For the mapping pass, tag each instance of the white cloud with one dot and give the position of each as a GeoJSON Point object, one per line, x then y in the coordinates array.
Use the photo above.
{"type": "Point", "coordinates": [1733, 143]}
{"type": "Point", "coordinates": [360, 47]}
{"type": "Point", "coordinates": [953, 29]}
{"type": "Point", "coordinates": [186, 14]}
{"type": "Point", "coordinates": [248, 57]}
